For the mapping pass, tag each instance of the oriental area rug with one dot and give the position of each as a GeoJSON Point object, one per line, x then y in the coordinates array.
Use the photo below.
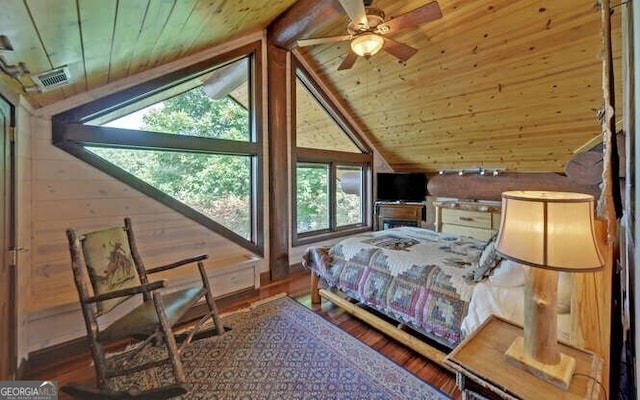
{"type": "Point", "coordinates": [280, 349]}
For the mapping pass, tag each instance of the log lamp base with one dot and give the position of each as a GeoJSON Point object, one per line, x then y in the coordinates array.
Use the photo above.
{"type": "Point", "coordinates": [559, 374]}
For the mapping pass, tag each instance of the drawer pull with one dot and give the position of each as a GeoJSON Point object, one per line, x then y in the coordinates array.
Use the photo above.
{"type": "Point", "coordinates": [465, 219]}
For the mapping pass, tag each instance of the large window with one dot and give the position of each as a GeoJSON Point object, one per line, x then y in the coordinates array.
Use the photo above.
{"type": "Point", "coordinates": [190, 142]}
{"type": "Point", "coordinates": [332, 168]}
{"type": "Point", "coordinates": [314, 195]}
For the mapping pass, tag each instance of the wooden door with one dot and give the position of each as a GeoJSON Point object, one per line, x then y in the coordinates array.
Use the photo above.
{"type": "Point", "coordinates": [7, 239]}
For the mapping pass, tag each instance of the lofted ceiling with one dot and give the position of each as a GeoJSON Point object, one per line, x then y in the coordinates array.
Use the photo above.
{"type": "Point", "coordinates": [495, 84]}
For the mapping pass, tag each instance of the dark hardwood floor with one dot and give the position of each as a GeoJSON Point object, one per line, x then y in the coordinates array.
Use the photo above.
{"type": "Point", "coordinates": [79, 368]}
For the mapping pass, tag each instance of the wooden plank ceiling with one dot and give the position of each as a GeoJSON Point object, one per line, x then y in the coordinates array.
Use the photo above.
{"type": "Point", "coordinates": [494, 84]}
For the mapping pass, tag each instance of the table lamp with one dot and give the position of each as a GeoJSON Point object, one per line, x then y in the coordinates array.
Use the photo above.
{"type": "Point", "coordinates": [547, 232]}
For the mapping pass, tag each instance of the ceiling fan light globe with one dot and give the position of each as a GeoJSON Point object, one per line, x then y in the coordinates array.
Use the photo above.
{"type": "Point", "coordinates": [366, 44]}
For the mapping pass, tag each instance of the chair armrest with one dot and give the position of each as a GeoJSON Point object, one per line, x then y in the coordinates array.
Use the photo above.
{"type": "Point", "coordinates": [178, 264]}
{"type": "Point", "coordinates": [128, 291]}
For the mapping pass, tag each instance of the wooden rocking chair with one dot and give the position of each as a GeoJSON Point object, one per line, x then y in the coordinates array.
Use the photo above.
{"type": "Point", "coordinates": [110, 261]}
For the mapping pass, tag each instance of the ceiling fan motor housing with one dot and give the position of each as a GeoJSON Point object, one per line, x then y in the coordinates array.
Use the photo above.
{"type": "Point", "coordinates": [375, 17]}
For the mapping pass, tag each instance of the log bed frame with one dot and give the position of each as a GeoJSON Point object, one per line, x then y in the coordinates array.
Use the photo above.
{"type": "Point", "coordinates": [396, 332]}
{"type": "Point", "coordinates": [590, 313]}
{"type": "Point", "coordinates": [592, 292]}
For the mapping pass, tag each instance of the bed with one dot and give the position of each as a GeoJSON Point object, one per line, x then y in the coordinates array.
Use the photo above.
{"type": "Point", "coordinates": [426, 289]}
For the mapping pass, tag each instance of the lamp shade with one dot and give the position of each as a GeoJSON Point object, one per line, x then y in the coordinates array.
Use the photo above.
{"type": "Point", "coordinates": [367, 44]}
{"type": "Point", "coordinates": [553, 230]}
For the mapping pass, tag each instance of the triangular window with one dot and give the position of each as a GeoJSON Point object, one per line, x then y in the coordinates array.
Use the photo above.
{"type": "Point", "coordinates": [316, 128]}
{"type": "Point", "coordinates": [189, 143]}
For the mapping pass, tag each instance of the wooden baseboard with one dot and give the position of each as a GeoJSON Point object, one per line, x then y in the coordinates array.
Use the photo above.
{"type": "Point", "coordinates": [296, 268]}
{"type": "Point", "coordinates": [50, 356]}
{"type": "Point", "coordinates": [265, 278]}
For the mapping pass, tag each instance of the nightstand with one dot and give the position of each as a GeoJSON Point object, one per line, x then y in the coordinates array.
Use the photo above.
{"type": "Point", "coordinates": [482, 372]}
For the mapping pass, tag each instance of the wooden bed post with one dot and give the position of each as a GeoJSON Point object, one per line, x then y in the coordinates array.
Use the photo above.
{"type": "Point", "coordinates": [315, 293]}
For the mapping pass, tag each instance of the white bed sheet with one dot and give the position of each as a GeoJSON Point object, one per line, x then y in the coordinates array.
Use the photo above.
{"type": "Point", "coordinates": [505, 302]}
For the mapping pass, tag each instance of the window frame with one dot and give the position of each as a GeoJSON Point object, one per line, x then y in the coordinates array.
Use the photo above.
{"type": "Point", "coordinates": [332, 159]}
{"type": "Point", "coordinates": [70, 134]}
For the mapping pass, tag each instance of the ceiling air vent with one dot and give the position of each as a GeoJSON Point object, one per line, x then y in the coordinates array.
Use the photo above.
{"type": "Point", "coordinates": [53, 78]}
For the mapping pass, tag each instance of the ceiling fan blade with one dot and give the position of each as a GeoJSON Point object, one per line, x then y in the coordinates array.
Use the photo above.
{"type": "Point", "coordinates": [322, 40]}
{"type": "Point", "coordinates": [415, 17]}
{"type": "Point", "coordinates": [348, 61]}
{"type": "Point", "coordinates": [399, 50]}
{"type": "Point", "coordinates": [356, 12]}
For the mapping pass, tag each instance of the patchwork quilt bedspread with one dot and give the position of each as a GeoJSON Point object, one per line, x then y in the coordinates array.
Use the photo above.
{"type": "Point", "coordinates": [412, 275]}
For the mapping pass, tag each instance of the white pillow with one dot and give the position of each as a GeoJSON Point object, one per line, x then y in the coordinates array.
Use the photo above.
{"type": "Point", "coordinates": [565, 286]}
{"type": "Point", "coordinates": [508, 274]}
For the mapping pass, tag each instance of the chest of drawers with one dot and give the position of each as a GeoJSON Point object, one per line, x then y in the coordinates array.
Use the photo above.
{"type": "Point", "coordinates": [478, 220]}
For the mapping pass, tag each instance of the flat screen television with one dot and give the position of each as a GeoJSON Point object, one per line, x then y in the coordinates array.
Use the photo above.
{"type": "Point", "coordinates": [408, 187]}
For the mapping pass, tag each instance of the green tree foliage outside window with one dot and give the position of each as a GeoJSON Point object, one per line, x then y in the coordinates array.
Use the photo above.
{"type": "Point", "coordinates": [193, 113]}
{"type": "Point", "coordinates": [312, 197]}
{"type": "Point", "coordinates": [216, 185]}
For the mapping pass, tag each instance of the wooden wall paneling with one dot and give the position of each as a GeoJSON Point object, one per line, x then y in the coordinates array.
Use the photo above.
{"type": "Point", "coordinates": [49, 230]}
{"type": "Point", "coordinates": [47, 329]}
{"type": "Point", "coordinates": [56, 211]}
{"type": "Point", "coordinates": [62, 190]}
{"type": "Point", "coordinates": [52, 169]}
{"type": "Point", "coordinates": [179, 241]}
{"type": "Point", "coordinates": [52, 260]}
{"type": "Point", "coordinates": [50, 286]}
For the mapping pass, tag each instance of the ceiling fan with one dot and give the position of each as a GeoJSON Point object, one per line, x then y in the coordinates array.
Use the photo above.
{"type": "Point", "coordinates": [368, 28]}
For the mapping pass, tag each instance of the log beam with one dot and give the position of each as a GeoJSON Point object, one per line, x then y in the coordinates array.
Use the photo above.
{"type": "Point", "coordinates": [488, 187]}
{"type": "Point", "coordinates": [226, 79]}
{"type": "Point", "coordinates": [303, 20]}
